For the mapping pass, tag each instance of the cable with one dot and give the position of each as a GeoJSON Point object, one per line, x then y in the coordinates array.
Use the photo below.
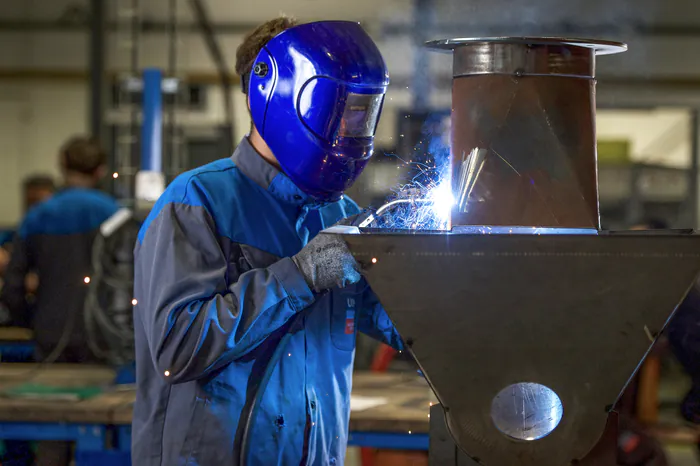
{"type": "Point", "coordinates": [252, 410]}
{"type": "Point", "coordinates": [112, 282]}
{"type": "Point", "coordinates": [390, 205]}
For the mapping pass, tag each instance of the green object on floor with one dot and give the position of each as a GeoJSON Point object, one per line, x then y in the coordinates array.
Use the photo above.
{"type": "Point", "coordinates": [47, 392]}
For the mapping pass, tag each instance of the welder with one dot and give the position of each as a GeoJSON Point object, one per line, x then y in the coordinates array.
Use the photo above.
{"type": "Point", "coordinates": [230, 267]}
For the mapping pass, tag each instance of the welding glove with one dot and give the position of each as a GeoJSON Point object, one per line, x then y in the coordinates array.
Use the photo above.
{"type": "Point", "coordinates": [327, 262]}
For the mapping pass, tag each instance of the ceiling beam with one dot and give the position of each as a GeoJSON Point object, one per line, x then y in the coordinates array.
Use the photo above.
{"type": "Point", "coordinates": [146, 26]}
{"type": "Point", "coordinates": [446, 29]}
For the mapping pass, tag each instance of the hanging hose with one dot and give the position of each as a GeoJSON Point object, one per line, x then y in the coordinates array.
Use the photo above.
{"type": "Point", "coordinates": [108, 305]}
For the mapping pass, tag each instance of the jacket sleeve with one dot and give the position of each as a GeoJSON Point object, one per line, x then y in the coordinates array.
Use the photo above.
{"type": "Point", "coordinates": [199, 311]}
{"type": "Point", "coordinates": [374, 321]}
{"type": "Point", "coordinates": [13, 296]}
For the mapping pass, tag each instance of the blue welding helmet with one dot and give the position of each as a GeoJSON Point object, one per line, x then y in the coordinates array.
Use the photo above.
{"type": "Point", "coordinates": [316, 92]}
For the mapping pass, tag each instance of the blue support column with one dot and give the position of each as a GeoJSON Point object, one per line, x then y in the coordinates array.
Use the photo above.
{"type": "Point", "coordinates": [152, 125]}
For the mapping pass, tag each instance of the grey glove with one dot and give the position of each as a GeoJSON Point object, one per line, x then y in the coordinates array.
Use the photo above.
{"type": "Point", "coordinates": [327, 262]}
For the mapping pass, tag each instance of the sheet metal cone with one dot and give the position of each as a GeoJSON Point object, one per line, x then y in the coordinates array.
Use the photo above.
{"type": "Point", "coordinates": [576, 313]}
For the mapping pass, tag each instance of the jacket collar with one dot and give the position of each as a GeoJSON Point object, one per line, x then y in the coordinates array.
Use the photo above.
{"type": "Point", "coordinates": [268, 177]}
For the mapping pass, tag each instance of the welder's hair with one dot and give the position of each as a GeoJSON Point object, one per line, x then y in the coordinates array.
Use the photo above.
{"type": "Point", "coordinates": [83, 155]}
{"type": "Point", "coordinates": [253, 43]}
{"type": "Point", "coordinates": [39, 182]}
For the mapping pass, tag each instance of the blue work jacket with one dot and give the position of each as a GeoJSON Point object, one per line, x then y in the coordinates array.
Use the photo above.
{"type": "Point", "coordinates": [55, 241]}
{"type": "Point", "coordinates": [216, 289]}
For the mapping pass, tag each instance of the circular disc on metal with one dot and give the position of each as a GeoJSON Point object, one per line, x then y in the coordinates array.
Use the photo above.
{"type": "Point", "coordinates": [601, 47]}
{"type": "Point", "coordinates": [526, 411]}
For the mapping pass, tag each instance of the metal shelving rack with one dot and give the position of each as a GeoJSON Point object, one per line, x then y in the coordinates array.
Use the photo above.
{"type": "Point", "coordinates": [127, 101]}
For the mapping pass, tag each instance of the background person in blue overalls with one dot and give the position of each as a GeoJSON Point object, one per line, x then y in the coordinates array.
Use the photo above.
{"type": "Point", "coordinates": [228, 263]}
{"type": "Point", "coordinates": [35, 189]}
{"type": "Point", "coordinates": [55, 242]}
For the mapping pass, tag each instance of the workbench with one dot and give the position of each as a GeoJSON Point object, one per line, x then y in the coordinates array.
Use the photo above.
{"type": "Point", "coordinates": [16, 344]}
{"type": "Point", "coordinates": [396, 414]}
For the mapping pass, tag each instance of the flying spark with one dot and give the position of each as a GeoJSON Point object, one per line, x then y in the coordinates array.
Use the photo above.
{"type": "Point", "coordinates": [426, 201]}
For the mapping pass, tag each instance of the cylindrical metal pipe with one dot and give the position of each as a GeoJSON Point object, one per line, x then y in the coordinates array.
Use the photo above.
{"type": "Point", "coordinates": [152, 125]}
{"type": "Point", "coordinates": [523, 131]}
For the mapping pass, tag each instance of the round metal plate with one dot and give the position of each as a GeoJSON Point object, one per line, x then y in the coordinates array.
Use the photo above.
{"type": "Point", "coordinates": [526, 411]}
{"type": "Point", "coordinates": [601, 47]}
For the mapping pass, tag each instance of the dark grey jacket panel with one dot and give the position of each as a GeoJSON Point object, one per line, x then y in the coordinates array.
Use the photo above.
{"type": "Point", "coordinates": [193, 328]}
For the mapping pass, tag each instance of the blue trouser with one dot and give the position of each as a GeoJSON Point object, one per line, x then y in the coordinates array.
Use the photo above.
{"type": "Point", "coordinates": [17, 453]}
{"type": "Point", "coordinates": [684, 336]}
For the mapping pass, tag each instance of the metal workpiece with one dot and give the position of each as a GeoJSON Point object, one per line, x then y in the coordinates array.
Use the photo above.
{"type": "Point", "coordinates": [532, 320]}
{"type": "Point", "coordinates": [526, 56]}
{"type": "Point", "coordinates": [528, 340]}
{"type": "Point", "coordinates": [523, 152]}
{"type": "Point", "coordinates": [524, 60]}
{"type": "Point", "coordinates": [523, 131]}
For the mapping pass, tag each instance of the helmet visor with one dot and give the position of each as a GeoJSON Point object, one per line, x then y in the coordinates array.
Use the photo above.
{"type": "Point", "coordinates": [332, 111]}
{"type": "Point", "coordinates": [360, 115]}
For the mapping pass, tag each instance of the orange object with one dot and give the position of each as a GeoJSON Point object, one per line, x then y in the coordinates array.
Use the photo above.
{"type": "Point", "coordinates": [380, 363]}
{"type": "Point", "coordinates": [382, 358]}
{"type": "Point", "coordinates": [648, 391]}
{"type": "Point", "coordinates": [401, 458]}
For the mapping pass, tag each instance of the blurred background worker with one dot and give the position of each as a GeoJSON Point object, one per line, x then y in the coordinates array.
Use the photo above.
{"type": "Point", "coordinates": [36, 189]}
{"type": "Point", "coordinates": [54, 241]}
{"type": "Point", "coordinates": [246, 271]}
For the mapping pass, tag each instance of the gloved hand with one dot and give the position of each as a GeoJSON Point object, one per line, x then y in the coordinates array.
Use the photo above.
{"type": "Point", "coordinates": [327, 262]}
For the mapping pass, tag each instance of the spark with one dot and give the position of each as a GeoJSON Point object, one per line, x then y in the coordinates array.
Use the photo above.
{"type": "Point", "coordinates": [424, 203]}
{"type": "Point", "coordinates": [425, 200]}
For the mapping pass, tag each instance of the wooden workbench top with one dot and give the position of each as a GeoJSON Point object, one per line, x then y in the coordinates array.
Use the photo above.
{"type": "Point", "coordinates": [98, 409]}
{"type": "Point", "coordinates": [15, 334]}
{"type": "Point", "coordinates": [402, 400]}
{"type": "Point", "coordinates": [58, 375]}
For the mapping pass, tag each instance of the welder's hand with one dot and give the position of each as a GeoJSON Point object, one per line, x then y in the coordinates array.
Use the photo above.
{"type": "Point", "coordinates": [327, 262]}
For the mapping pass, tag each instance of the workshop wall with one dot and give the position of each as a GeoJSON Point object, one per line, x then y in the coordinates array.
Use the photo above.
{"type": "Point", "coordinates": [35, 119]}
{"type": "Point", "coordinates": [657, 137]}
{"type": "Point", "coordinates": [50, 110]}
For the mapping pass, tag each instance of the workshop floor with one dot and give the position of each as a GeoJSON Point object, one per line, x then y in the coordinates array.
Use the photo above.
{"type": "Point", "coordinates": [681, 456]}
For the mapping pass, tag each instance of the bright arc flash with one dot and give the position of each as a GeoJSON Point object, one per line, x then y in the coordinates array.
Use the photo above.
{"type": "Point", "coordinates": [442, 201]}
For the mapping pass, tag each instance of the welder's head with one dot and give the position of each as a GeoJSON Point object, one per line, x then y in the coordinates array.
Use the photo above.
{"type": "Point", "coordinates": [315, 93]}
{"type": "Point", "coordinates": [37, 188]}
{"type": "Point", "coordinates": [254, 42]}
{"type": "Point", "coordinates": [83, 157]}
